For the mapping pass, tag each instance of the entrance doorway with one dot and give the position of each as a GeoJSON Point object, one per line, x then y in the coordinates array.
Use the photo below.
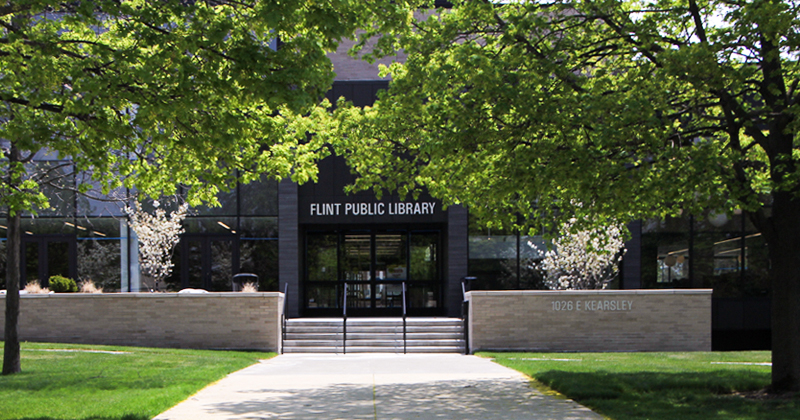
{"type": "Point", "coordinates": [374, 264]}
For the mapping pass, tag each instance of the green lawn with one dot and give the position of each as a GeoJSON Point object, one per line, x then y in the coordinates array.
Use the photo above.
{"type": "Point", "coordinates": [63, 381]}
{"type": "Point", "coordinates": [684, 386]}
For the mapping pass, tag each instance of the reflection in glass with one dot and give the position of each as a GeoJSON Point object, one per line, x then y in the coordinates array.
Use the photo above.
{"type": "Point", "coordinates": [96, 228]}
{"type": "Point", "coordinates": [322, 297]}
{"type": "Point", "coordinates": [718, 221]}
{"type": "Point", "coordinates": [492, 258]}
{"type": "Point", "coordinates": [389, 295]}
{"type": "Point", "coordinates": [259, 227]}
{"type": "Point", "coordinates": [44, 226]}
{"type": "Point", "coordinates": [665, 244]}
{"type": "Point", "coordinates": [56, 180]}
{"type": "Point", "coordinates": [423, 256]}
{"type": "Point", "coordinates": [173, 282]}
{"type": "Point", "coordinates": [322, 257]}
{"type": "Point", "coordinates": [259, 198]}
{"type": "Point", "coordinates": [110, 205]}
{"type": "Point", "coordinates": [359, 295]}
{"type": "Point", "coordinates": [390, 257]}
{"type": "Point", "coordinates": [221, 265]}
{"type": "Point", "coordinates": [31, 251]}
{"type": "Point", "coordinates": [195, 268]}
{"type": "Point", "coordinates": [260, 257]}
{"type": "Point", "coordinates": [673, 263]}
{"type": "Point", "coordinates": [356, 259]}
{"type": "Point", "coordinates": [223, 225]}
{"type": "Point", "coordinates": [756, 265]}
{"type": "Point", "coordinates": [99, 262]}
{"type": "Point", "coordinates": [717, 259]}
{"type": "Point", "coordinates": [420, 296]}
{"type": "Point", "coordinates": [227, 205]}
{"type": "Point", "coordinates": [57, 259]}
{"type": "Point", "coordinates": [45, 257]}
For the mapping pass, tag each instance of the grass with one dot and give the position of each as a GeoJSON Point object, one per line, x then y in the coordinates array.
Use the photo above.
{"type": "Point", "coordinates": [685, 386]}
{"type": "Point", "coordinates": [63, 381]}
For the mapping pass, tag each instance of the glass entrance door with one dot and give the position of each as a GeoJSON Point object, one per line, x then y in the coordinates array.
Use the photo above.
{"type": "Point", "coordinates": [374, 265]}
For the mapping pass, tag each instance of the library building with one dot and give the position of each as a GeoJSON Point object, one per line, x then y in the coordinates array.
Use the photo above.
{"type": "Point", "coordinates": [333, 253]}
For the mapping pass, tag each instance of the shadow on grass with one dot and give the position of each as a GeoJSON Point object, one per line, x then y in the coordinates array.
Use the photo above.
{"type": "Point", "coordinates": [125, 417]}
{"type": "Point", "coordinates": [665, 395]}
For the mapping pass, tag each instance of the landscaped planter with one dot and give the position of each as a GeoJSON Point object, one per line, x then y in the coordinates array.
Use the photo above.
{"type": "Point", "coordinates": [205, 321]}
{"type": "Point", "coordinates": [590, 320]}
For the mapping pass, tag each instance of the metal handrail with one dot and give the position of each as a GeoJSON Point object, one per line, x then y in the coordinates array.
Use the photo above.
{"type": "Point", "coordinates": [283, 315]}
{"type": "Point", "coordinates": [465, 315]}
{"type": "Point", "coordinates": [404, 318]}
{"type": "Point", "coordinates": [344, 321]}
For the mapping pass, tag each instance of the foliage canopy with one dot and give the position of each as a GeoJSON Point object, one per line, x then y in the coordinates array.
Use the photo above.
{"type": "Point", "coordinates": [153, 94]}
{"type": "Point", "coordinates": [637, 108]}
{"type": "Point", "coordinates": [634, 109]}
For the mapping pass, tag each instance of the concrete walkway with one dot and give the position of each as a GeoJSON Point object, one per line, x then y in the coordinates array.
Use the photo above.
{"type": "Point", "coordinates": [375, 386]}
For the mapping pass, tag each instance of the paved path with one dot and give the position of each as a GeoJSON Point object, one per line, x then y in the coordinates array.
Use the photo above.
{"type": "Point", "coordinates": [375, 386]}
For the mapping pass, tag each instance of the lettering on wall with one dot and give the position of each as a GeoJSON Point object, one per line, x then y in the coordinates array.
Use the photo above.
{"type": "Point", "coordinates": [372, 209]}
{"type": "Point", "coordinates": [593, 305]}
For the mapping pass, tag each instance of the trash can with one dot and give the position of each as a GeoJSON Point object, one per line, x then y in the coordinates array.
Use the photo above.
{"type": "Point", "coordinates": [239, 280]}
{"type": "Point", "coordinates": [467, 283]}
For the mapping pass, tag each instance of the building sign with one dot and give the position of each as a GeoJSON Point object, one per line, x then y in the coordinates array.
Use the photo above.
{"type": "Point", "coordinates": [372, 209]}
{"type": "Point", "coordinates": [593, 305]}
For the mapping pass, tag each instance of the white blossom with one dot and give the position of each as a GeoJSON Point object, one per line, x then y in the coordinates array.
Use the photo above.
{"type": "Point", "coordinates": [158, 236]}
{"type": "Point", "coordinates": [587, 259]}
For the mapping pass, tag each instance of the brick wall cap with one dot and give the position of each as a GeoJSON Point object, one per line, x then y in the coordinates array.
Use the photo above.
{"type": "Point", "coordinates": [147, 295]}
{"type": "Point", "coordinates": [589, 292]}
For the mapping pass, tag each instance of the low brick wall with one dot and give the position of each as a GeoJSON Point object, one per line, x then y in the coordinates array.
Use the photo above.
{"type": "Point", "coordinates": [200, 321]}
{"type": "Point", "coordinates": [590, 320]}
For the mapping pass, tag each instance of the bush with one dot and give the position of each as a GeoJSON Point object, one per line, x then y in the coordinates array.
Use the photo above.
{"type": "Point", "coordinates": [61, 284]}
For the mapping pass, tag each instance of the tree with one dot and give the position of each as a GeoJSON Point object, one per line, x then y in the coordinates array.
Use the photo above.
{"type": "Point", "coordinates": [158, 235]}
{"type": "Point", "coordinates": [145, 94]}
{"type": "Point", "coordinates": [635, 108]}
{"type": "Point", "coordinates": [585, 259]}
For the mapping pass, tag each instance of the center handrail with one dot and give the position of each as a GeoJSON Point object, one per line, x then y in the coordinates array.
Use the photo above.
{"type": "Point", "coordinates": [344, 321]}
{"type": "Point", "coordinates": [283, 315]}
{"type": "Point", "coordinates": [404, 318]}
{"type": "Point", "coordinates": [465, 313]}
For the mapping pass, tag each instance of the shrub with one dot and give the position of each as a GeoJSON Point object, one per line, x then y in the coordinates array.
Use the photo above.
{"type": "Point", "coordinates": [61, 284]}
{"type": "Point", "coordinates": [250, 287]}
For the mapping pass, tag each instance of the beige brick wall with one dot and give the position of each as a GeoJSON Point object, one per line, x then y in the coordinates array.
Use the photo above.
{"type": "Point", "coordinates": [637, 320]}
{"type": "Point", "coordinates": [202, 321]}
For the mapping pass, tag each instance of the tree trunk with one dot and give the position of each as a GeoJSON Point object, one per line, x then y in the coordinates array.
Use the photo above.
{"type": "Point", "coordinates": [784, 249]}
{"type": "Point", "coordinates": [11, 356]}
{"type": "Point", "coordinates": [11, 361]}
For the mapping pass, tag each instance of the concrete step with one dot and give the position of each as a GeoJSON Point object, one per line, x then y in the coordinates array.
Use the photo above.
{"type": "Point", "coordinates": [374, 334]}
{"type": "Point", "coordinates": [351, 349]}
{"type": "Point", "coordinates": [358, 321]}
{"type": "Point", "coordinates": [375, 330]}
{"type": "Point", "coordinates": [382, 336]}
{"type": "Point", "coordinates": [373, 343]}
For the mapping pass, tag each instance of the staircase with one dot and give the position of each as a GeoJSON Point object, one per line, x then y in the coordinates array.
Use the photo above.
{"type": "Point", "coordinates": [374, 335]}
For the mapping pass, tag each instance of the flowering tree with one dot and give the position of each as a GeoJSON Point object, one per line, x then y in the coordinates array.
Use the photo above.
{"type": "Point", "coordinates": [585, 259]}
{"type": "Point", "coordinates": [158, 236]}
